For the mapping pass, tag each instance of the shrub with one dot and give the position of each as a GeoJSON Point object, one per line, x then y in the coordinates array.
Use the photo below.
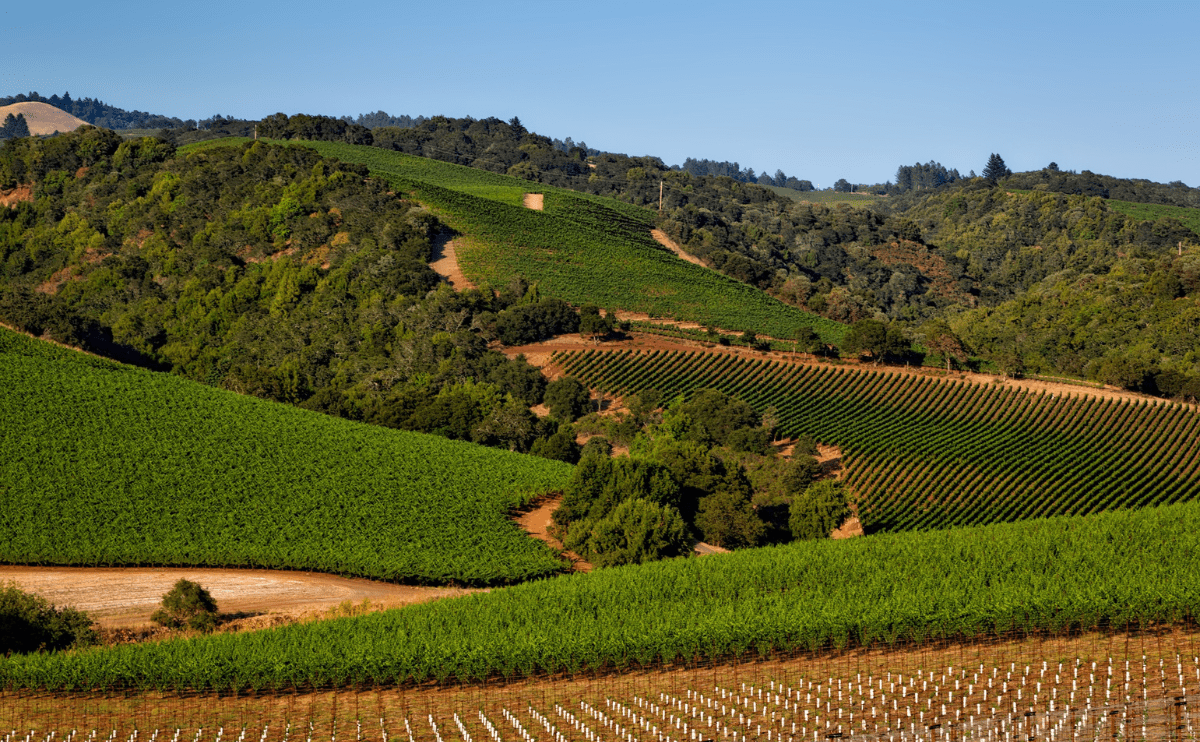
{"type": "Point", "coordinates": [187, 605]}
{"type": "Point", "coordinates": [820, 510]}
{"type": "Point", "coordinates": [28, 623]}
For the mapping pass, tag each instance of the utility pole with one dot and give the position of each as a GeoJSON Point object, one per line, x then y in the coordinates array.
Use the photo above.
{"type": "Point", "coordinates": [256, 132]}
{"type": "Point", "coordinates": [660, 187]}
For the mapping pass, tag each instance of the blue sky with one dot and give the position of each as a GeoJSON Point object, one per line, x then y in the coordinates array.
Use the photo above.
{"type": "Point", "coordinates": [823, 90]}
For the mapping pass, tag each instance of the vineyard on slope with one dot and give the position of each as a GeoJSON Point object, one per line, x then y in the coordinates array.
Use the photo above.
{"type": "Point", "coordinates": [580, 248]}
{"type": "Point", "coordinates": [923, 453]}
{"type": "Point", "coordinates": [1113, 570]}
{"type": "Point", "coordinates": [105, 465]}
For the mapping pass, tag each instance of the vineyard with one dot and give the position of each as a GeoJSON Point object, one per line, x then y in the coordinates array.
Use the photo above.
{"type": "Point", "coordinates": [581, 248]}
{"type": "Point", "coordinates": [1126, 568]}
{"type": "Point", "coordinates": [1127, 685]}
{"type": "Point", "coordinates": [1190, 218]}
{"type": "Point", "coordinates": [924, 453]}
{"type": "Point", "coordinates": [106, 465]}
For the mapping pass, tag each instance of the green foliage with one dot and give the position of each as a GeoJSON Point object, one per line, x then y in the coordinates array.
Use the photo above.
{"type": "Point", "coordinates": [636, 531]}
{"type": "Point", "coordinates": [566, 398]}
{"type": "Point", "coordinates": [30, 624]}
{"type": "Point", "coordinates": [103, 464]}
{"type": "Point", "coordinates": [726, 518]}
{"type": "Point", "coordinates": [816, 513]}
{"type": "Point", "coordinates": [995, 168]}
{"type": "Point", "coordinates": [187, 605]}
{"type": "Point", "coordinates": [14, 127]}
{"type": "Point", "coordinates": [1128, 568]}
{"type": "Point", "coordinates": [1187, 216]}
{"type": "Point", "coordinates": [800, 473]}
{"type": "Point", "coordinates": [582, 248]}
{"type": "Point", "coordinates": [924, 453]}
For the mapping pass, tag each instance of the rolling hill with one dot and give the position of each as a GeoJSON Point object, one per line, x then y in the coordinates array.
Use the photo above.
{"type": "Point", "coordinates": [43, 118]}
{"type": "Point", "coordinates": [581, 248]}
{"type": "Point", "coordinates": [105, 465]}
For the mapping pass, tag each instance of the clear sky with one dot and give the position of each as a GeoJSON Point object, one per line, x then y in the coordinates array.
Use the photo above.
{"type": "Point", "coordinates": [823, 90]}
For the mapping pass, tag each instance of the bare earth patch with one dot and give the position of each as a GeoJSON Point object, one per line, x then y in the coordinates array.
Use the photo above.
{"type": "Point", "coordinates": [534, 201]}
{"type": "Point", "coordinates": [662, 239]}
{"type": "Point", "coordinates": [536, 522]}
{"type": "Point", "coordinates": [16, 196]}
{"type": "Point", "coordinates": [125, 597]}
{"type": "Point", "coordinates": [445, 262]}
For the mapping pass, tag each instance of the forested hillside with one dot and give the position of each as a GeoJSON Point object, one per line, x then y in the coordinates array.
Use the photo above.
{"type": "Point", "coordinates": [265, 270]}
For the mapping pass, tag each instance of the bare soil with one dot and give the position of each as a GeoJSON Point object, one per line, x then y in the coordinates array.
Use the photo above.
{"type": "Point", "coordinates": [125, 597]}
{"type": "Point", "coordinates": [16, 196]}
{"type": "Point", "coordinates": [445, 262]}
{"type": "Point", "coordinates": [534, 201]}
{"type": "Point", "coordinates": [43, 118]}
{"type": "Point", "coordinates": [662, 239]}
{"type": "Point", "coordinates": [537, 520]}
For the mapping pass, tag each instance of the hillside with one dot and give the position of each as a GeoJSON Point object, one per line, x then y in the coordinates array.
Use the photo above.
{"type": "Point", "coordinates": [103, 464]}
{"type": "Point", "coordinates": [43, 118]}
{"type": "Point", "coordinates": [581, 248]}
{"type": "Point", "coordinates": [921, 453]}
{"type": "Point", "coordinates": [1055, 575]}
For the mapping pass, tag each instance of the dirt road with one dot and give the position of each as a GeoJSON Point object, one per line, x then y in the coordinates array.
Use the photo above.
{"type": "Point", "coordinates": [125, 597]}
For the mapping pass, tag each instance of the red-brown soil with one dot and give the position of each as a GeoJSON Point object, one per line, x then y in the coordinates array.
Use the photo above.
{"type": "Point", "coordinates": [445, 262]}
{"type": "Point", "coordinates": [16, 196]}
{"type": "Point", "coordinates": [534, 201]}
{"type": "Point", "coordinates": [125, 597]}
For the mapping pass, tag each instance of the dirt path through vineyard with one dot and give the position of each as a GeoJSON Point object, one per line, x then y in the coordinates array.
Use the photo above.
{"type": "Point", "coordinates": [535, 201]}
{"type": "Point", "coordinates": [125, 597]}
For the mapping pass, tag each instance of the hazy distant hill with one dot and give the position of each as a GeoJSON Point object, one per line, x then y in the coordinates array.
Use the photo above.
{"type": "Point", "coordinates": [96, 112]}
{"type": "Point", "coordinates": [43, 118]}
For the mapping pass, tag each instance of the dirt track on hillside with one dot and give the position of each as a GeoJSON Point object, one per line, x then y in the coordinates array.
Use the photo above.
{"type": "Point", "coordinates": [662, 239]}
{"type": "Point", "coordinates": [125, 597]}
{"type": "Point", "coordinates": [535, 201]}
{"type": "Point", "coordinates": [445, 262]}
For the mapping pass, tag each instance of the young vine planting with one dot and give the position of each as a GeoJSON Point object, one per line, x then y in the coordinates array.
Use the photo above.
{"type": "Point", "coordinates": [1119, 569]}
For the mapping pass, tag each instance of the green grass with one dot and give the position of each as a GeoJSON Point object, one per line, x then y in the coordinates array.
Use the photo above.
{"type": "Point", "coordinates": [582, 248]}
{"type": "Point", "coordinates": [1190, 218]}
{"type": "Point", "coordinates": [1129, 568]}
{"type": "Point", "coordinates": [103, 464]}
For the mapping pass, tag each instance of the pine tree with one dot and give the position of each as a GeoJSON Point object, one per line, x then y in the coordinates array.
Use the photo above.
{"type": "Point", "coordinates": [20, 128]}
{"type": "Point", "coordinates": [996, 169]}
